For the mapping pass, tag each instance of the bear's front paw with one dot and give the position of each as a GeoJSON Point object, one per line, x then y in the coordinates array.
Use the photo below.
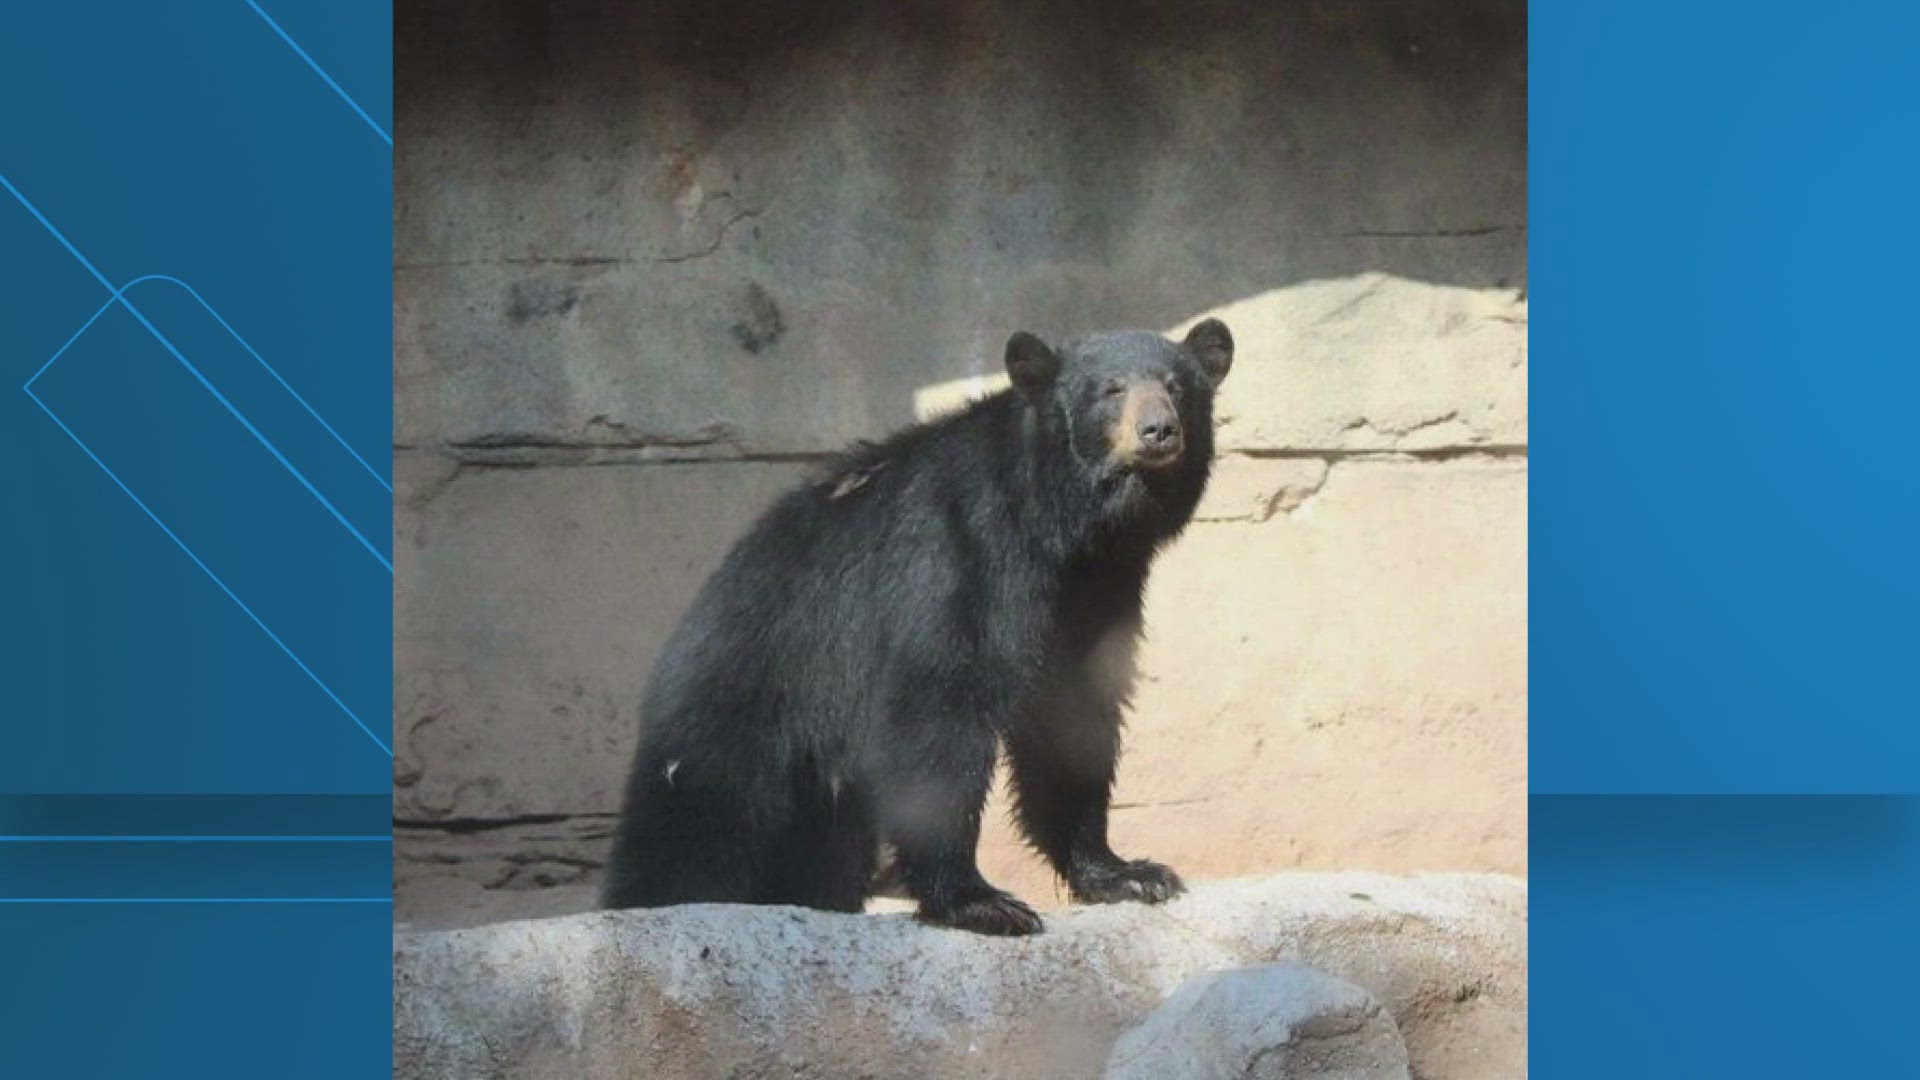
{"type": "Point", "coordinates": [1142, 879]}
{"type": "Point", "coordinates": [991, 913]}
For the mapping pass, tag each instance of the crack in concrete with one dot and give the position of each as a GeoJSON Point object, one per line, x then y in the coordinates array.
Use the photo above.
{"type": "Point", "coordinates": [646, 454]}
{"type": "Point", "coordinates": [420, 491]}
{"type": "Point", "coordinates": [1292, 497]}
{"type": "Point", "coordinates": [1393, 432]}
{"type": "Point", "coordinates": [468, 825]}
{"type": "Point", "coordinates": [1436, 453]}
{"type": "Point", "coordinates": [626, 445]}
{"type": "Point", "coordinates": [625, 435]}
{"type": "Point", "coordinates": [529, 260]}
{"type": "Point", "coordinates": [1372, 289]}
{"type": "Point", "coordinates": [1279, 496]}
{"type": "Point", "coordinates": [1411, 234]}
{"type": "Point", "coordinates": [1161, 802]}
{"type": "Point", "coordinates": [719, 238]}
{"type": "Point", "coordinates": [555, 454]}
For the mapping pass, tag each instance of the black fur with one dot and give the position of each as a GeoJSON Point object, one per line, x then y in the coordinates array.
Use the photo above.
{"type": "Point", "coordinates": [843, 679]}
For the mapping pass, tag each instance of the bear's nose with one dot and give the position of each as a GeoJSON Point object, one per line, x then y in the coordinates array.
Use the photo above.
{"type": "Point", "coordinates": [1160, 435]}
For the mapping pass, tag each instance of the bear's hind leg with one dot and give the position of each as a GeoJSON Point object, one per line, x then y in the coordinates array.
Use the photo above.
{"type": "Point", "coordinates": [825, 861]}
{"type": "Point", "coordinates": [679, 845]}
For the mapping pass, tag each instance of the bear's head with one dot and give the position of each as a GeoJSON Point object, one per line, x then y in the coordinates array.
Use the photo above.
{"type": "Point", "coordinates": [1133, 409]}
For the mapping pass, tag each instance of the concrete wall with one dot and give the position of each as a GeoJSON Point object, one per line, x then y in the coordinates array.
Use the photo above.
{"type": "Point", "coordinates": [654, 259]}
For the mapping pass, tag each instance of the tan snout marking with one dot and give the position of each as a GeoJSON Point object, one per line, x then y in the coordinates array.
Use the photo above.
{"type": "Point", "coordinates": [1124, 434]}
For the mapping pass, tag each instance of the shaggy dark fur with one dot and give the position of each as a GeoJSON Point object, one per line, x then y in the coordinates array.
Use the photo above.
{"type": "Point", "coordinates": [842, 680]}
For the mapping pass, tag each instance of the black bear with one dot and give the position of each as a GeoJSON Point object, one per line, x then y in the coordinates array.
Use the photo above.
{"type": "Point", "coordinates": [843, 680]}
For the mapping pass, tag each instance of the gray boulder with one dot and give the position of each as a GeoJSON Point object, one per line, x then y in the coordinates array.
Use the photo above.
{"type": "Point", "coordinates": [710, 990]}
{"type": "Point", "coordinates": [1282, 1021]}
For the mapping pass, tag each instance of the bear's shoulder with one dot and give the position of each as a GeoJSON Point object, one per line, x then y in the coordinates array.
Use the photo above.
{"type": "Point", "coordinates": [956, 440]}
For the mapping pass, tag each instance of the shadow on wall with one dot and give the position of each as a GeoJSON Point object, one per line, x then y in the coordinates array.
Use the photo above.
{"type": "Point", "coordinates": [762, 228]}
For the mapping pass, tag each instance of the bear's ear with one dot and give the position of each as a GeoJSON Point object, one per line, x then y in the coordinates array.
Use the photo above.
{"type": "Point", "coordinates": [1031, 364]}
{"type": "Point", "coordinates": [1211, 343]}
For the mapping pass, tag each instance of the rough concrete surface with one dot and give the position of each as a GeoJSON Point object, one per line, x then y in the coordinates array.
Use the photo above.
{"type": "Point", "coordinates": [761, 228]}
{"type": "Point", "coordinates": [528, 606]}
{"type": "Point", "coordinates": [1339, 684]}
{"type": "Point", "coordinates": [1283, 1021]}
{"type": "Point", "coordinates": [719, 990]}
{"type": "Point", "coordinates": [1445, 368]}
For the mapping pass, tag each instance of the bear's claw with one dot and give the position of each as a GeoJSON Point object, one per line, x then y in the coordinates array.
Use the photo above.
{"type": "Point", "coordinates": [1141, 880]}
{"type": "Point", "coordinates": [996, 913]}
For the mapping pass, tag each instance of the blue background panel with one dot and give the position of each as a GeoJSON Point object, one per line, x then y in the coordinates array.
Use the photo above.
{"type": "Point", "coordinates": [210, 991]}
{"type": "Point", "coordinates": [276, 414]}
{"type": "Point", "coordinates": [1724, 520]}
{"type": "Point", "coordinates": [288, 556]}
{"type": "Point", "coordinates": [1723, 531]}
{"type": "Point", "coordinates": [98, 870]}
{"type": "Point", "coordinates": [194, 158]}
{"type": "Point", "coordinates": [195, 412]}
{"type": "Point", "coordinates": [358, 816]}
{"type": "Point", "coordinates": [1724, 936]}
{"type": "Point", "coordinates": [191, 140]}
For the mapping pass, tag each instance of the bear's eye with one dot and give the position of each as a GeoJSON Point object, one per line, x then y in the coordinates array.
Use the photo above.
{"type": "Point", "coordinates": [1113, 389]}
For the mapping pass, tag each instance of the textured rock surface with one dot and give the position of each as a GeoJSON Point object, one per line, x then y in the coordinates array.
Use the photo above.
{"type": "Point", "coordinates": [1338, 683]}
{"type": "Point", "coordinates": [1282, 1021]}
{"type": "Point", "coordinates": [714, 990]}
{"type": "Point", "coordinates": [530, 603]}
{"type": "Point", "coordinates": [654, 259]}
{"type": "Point", "coordinates": [1370, 362]}
{"type": "Point", "coordinates": [736, 227]}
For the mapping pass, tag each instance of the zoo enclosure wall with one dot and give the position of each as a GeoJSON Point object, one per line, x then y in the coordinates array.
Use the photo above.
{"type": "Point", "coordinates": [655, 260]}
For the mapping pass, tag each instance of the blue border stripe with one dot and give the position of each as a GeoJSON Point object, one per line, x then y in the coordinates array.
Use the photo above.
{"type": "Point", "coordinates": [318, 70]}
{"type": "Point", "coordinates": [120, 295]}
{"type": "Point", "coordinates": [231, 595]}
{"type": "Point", "coordinates": [196, 899]}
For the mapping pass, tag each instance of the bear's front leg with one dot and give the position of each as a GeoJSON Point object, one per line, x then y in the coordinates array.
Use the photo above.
{"type": "Point", "coordinates": [930, 787]}
{"type": "Point", "coordinates": [1063, 756]}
